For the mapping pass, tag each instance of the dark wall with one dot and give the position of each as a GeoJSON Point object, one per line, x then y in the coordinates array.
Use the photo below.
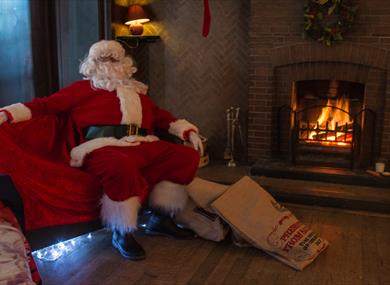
{"type": "Point", "coordinates": [198, 78]}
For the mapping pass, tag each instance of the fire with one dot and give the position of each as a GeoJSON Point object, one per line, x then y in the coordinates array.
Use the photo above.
{"type": "Point", "coordinates": [332, 123]}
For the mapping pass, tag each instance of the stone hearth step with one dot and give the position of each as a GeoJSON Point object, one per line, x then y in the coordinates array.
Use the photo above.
{"type": "Point", "coordinates": [281, 169]}
{"type": "Point", "coordinates": [309, 192]}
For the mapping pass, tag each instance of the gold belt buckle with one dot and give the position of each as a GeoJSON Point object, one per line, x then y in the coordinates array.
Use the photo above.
{"type": "Point", "coordinates": [132, 130]}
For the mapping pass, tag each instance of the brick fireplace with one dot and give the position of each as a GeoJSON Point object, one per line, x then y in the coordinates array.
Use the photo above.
{"type": "Point", "coordinates": [281, 59]}
{"type": "Point", "coordinates": [372, 81]}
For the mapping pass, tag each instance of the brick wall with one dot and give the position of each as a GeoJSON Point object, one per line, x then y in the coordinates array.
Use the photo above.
{"type": "Point", "coordinates": [276, 40]}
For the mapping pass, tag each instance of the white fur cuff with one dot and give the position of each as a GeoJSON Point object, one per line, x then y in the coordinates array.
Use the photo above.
{"type": "Point", "coordinates": [120, 215]}
{"type": "Point", "coordinates": [168, 197]}
{"type": "Point", "coordinates": [79, 152]}
{"type": "Point", "coordinates": [19, 112]}
{"type": "Point", "coordinates": [178, 128]}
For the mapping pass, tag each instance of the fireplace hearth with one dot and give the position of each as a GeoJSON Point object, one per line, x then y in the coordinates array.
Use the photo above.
{"type": "Point", "coordinates": [282, 169]}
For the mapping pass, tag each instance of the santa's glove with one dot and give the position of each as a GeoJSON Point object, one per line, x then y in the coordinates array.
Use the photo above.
{"type": "Point", "coordinates": [196, 141]}
{"type": "Point", "coordinates": [3, 117]}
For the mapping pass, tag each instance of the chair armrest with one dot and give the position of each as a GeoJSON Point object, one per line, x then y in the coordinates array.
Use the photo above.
{"type": "Point", "coordinates": [11, 198]}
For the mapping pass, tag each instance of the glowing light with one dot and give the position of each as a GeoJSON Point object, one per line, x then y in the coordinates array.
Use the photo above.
{"type": "Point", "coordinates": [58, 250]}
{"type": "Point", "coordinates": [333, 116]}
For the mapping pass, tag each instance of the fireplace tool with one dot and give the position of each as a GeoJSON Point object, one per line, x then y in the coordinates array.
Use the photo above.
{"type": "Point", "coordinates": [233, 125]}
{"type": "Point", "coordinates": [227, 155]}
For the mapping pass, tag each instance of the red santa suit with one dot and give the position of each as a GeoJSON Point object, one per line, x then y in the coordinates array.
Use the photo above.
{"type": "Point", "coordinates": [130, 168]}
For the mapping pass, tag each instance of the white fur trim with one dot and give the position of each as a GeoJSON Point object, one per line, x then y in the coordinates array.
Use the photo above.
{"type": "Point", "coordinates": [79, 152]}
{"type": "Point", "coordinates": [136, 139]}
{"type": "Point", "coordinates": [130, 102]}
{"type": "Point", "coordinates": [168, 196]}
{"type": "Point", "coordinates": [19, 112]}
{"type": "Point", "coordinates": [120, 215]}
{"type": "Point", "coordinates": [138, 86]}
{"type": "Point", "coordinates": [178, 128]}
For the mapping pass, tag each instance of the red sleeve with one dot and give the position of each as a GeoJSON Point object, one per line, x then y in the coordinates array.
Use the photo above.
{"type": "Point", "coordinates": [162, 118]}
{"type": "Point", "coordinates": [61, 101]}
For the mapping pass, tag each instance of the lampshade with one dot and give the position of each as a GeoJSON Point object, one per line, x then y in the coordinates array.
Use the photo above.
{"type": "Point", "coordinates": [136, 14]}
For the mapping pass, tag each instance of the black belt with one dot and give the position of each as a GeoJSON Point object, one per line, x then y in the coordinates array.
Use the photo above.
{"type": "Point", "coordinates": [117, 131]}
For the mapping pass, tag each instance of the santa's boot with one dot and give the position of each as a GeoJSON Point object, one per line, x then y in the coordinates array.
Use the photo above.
{"type": "Point", "coordinates": [121, 218]}
{"type": "Point", "coordinates": [162, 224]}
{"type": "Point", "coordinates": [127, 246]}
{"type": "Point", "coordinates": [166, 199]}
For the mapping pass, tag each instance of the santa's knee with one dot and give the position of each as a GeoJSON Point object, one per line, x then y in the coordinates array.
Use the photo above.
{"type": "Point", "coordinates": [122, 180]}
{"type": "Point", "coordinates": [187, 163]}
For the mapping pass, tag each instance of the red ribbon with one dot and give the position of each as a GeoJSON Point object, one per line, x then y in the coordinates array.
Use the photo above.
{"type": "Point", "coordinates": [206, 18]}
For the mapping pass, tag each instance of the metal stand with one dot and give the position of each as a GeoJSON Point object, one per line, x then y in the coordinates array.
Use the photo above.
{"type": "Point", "coordinates": [232, 120]}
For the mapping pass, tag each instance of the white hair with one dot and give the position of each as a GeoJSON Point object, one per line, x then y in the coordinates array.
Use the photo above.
{"type": "Point", "coordinates": [107, 66]}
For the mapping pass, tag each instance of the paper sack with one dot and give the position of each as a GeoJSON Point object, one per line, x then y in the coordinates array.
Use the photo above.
{"type": "Point", "coordinates": [255, 215]}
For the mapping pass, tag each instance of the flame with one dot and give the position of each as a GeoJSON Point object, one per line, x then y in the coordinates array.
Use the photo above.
{"type": "Point", "coordinates": [335, 114]}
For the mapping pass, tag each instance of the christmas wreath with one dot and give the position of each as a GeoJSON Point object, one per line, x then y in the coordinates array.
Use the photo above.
{"type": "Point", "coordinates": [327, 20]}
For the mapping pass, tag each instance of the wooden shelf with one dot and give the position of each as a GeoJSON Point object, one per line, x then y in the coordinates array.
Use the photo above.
{"type": "Point", "coordinates": [135, 41]}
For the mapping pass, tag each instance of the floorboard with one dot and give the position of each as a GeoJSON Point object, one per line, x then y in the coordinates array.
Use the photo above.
{"type": "Point", "coordinates": [359, 254]}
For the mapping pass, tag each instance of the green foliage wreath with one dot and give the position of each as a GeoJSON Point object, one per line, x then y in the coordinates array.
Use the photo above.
{"type": "Point", "coordinates": [327, 20]}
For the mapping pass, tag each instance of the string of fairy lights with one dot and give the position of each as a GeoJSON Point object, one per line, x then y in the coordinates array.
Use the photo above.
{"type": "Point", "coordinates": [62, 248]}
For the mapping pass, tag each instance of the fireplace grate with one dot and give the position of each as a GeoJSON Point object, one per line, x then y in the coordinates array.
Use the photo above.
{"type": "Point", "coordinates": [326, 139]}
{"type": "Point", "coordinates": [326, 133]}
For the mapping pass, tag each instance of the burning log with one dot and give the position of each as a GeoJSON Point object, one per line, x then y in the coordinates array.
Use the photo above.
{"type": "Point", "coordinates": [341, 133]}
{"type": "Point", "coordinates": [344, 128]}
{"type": "Point", "coordinates": [330, 136]}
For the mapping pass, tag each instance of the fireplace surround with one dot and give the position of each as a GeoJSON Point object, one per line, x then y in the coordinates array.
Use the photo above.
{"type": "Point", "coordinates": [326, 124]}
{"type": "Point", "coordinates": [363, 66]}
{"type": "Point", "coordinates": [368, 146]}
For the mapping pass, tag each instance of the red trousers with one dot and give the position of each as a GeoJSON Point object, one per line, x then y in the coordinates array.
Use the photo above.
{"type": "Point", "coordinates": [125, 172]}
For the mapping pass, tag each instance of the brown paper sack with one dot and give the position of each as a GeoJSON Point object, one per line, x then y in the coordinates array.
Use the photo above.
{"type": "Point", "coordinates": [203, 221]}
{"type": "Point", "coordinates": [198, 215]}
{"type": "Point", "coordinates": [204, 192]}
{"type": "Point", "coordinates": [267, 225]}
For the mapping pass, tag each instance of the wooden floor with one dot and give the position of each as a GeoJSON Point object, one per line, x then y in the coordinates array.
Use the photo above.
{"type": "Point", "coordinates": [359, 254]}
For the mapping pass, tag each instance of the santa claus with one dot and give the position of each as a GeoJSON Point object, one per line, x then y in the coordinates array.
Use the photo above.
{"type": "Point", "coordinates": [118, 147]}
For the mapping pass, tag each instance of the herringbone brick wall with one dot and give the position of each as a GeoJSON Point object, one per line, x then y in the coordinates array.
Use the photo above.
{"type": "Point", "coordinates": [203, 76]}
{"type": "Point", "coordinates": [198, 78]}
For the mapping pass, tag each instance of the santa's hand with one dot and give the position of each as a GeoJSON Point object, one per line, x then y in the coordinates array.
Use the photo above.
{"type": "Point", "coordinates": [3, 117]}
{"type": "Point", "coordinates": [196, 141]}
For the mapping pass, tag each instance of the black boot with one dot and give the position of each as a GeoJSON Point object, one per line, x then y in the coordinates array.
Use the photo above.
{"type": "Point", "coordinates": [127, 246]}
{"type": "Point", "coordinates": [163, 225]}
